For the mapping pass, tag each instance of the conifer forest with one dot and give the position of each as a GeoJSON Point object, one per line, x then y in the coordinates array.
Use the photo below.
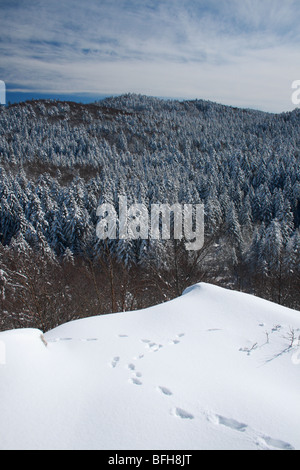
{"type": "Point", "coordinates": [60, 160]}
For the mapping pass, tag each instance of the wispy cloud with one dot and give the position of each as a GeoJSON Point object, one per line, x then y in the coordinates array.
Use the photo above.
{"type": "Point", "coordinates": [243, 53]}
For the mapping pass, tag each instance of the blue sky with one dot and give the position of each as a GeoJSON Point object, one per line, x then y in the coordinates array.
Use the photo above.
{"type": "Point", "coordinates": [238, 52]}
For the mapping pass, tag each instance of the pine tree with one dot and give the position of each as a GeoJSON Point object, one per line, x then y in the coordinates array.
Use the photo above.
{"type": "Point", "coordinates": [233, 227]}
{"type": "Point", "coordinates": [285, 217]}
{"type": "Point", "coordinates": [273, 246]}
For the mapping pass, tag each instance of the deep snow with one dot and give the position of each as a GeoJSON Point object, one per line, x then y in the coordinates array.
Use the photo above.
{"type": "Point", "coordinates": [213, 369]}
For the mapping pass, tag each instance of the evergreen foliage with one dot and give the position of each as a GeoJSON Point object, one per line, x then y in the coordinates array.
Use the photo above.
{"type": "Point", "coordinates": [59, 160]}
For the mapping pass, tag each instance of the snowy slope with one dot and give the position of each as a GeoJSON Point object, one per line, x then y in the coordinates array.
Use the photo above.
{"type": "Point", "coordinates": [210, 370]}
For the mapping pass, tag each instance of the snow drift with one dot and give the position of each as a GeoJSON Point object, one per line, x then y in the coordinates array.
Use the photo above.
{"type": "Point", "coordinates": [213, 369]}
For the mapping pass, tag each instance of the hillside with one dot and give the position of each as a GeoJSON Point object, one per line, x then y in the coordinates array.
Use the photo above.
{"type": "Point", "coordinates": [60, 160]}
{"type": "Point", "coordinates": [212, 369]}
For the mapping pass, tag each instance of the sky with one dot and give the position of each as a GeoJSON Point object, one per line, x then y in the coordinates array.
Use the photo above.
{"type": "Point", "coordinates": [243, 53]}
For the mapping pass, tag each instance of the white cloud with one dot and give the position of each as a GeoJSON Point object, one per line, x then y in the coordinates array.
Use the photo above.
{"type": "Point", "coordinates": [239, 53]}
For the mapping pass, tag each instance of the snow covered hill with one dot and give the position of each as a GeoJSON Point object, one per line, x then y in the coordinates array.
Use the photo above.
{"type": "Point", "coordinates": [213, 369]}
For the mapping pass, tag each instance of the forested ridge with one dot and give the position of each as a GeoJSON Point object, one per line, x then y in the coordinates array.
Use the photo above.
{"type": "Point", "coordinates": [60, 160]}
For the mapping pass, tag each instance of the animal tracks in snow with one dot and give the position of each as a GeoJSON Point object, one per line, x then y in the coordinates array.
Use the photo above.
{"type": "Point", "coordinates": [267, 443]}
{"type": "Point", "coordinates": [180, 413]}
{"type": "Point", "coordinates": [151, 346]}
{"type": "Point", "coordinates": [177, 339]}
{"type": "Point", "coordinates": [57, 340]}
{"type": "Point", "coordinates": [136, 376]}
{"type": "Point", "coordinates": [115, 362]}
{"type": "Point", "coordinates": [136, 381]}
{"type": "Point", "coordinates": [231, 423]}
{"type": "Point", "coordinates": [165, 391]}
{"type": "Point", "coordinates": [260, 440]}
